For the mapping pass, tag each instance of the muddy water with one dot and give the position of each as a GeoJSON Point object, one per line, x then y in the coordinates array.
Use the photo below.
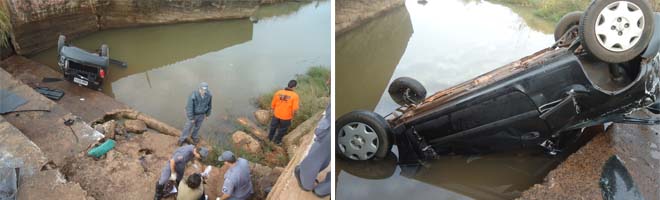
{"type": "Point", "coordinates": [440, 44]}
{"type": "Point", "coordinates": [239, 59]}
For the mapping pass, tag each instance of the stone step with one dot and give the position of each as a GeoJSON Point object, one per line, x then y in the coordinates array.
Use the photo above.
{"type": "Point", "coordinates": [18, 151]}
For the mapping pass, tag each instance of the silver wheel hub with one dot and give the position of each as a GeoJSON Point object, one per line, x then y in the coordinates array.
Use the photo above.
{"type": "Point", "coordinates": [619, 26]}
{"type": "Point", "coordinates": [358, 141]}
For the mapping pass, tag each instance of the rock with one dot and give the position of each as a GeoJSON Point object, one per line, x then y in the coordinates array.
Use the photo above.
{"type": "Point", "coordinates": [246, 142]}
{"type": "Point", "coordinates": [252, 128]}
{"type": "Point", "coordinates": [99, 128]}
{"type": "Point", "coordinates": [109, 129]}
{"type": "Point", "coordinates": [262, 116]}
{"type": "Point", "coordinates": [135, 126]}
{"type": "Point", "coordinates": [293, 137]}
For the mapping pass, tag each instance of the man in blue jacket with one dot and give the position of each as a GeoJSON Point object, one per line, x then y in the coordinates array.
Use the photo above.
{"type": "Point", "coordinates": [198, 108]}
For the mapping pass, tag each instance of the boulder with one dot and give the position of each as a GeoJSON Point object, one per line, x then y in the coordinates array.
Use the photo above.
{"type": "Point", "coordinates": [263, 117]}
{"type": "Point", "coordinates": [293, 137]}
{"type": "Point", "coordinates": [109, 129]}
{"type": "Point", "coordinates": [135, 126]}
{"type": "Point", "coordinates": [246, 142]}
{"type": "Point", "coordinates": [253, 128]}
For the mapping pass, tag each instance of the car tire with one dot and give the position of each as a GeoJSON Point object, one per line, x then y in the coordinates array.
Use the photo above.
{"type": "Point", "coordinates": [609, 43]}
{"type": "Point", "coordinates": [405, 90]}
{"type": "Point", "coordinates": [567, 22]}
{"type": "Point", "coordinates": [60, 43]}
{"type": "Point", "coordinates": [105, 51]}
{"type": "Point", "coordinates": [362, 135]}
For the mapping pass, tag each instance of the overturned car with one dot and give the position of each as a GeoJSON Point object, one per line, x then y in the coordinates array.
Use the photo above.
{"type": "Point", "coordinates": [82, 67]}
{"type": "Point", "coordinates": [602, 67]}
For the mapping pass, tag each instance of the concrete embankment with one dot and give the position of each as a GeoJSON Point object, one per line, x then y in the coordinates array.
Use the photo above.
{"type": "Point", "coordinates": [353, 13]}
{"type": "Point", "coordinates": [579, 176]}
{"type": "Point", "coordinates": [37, 24]}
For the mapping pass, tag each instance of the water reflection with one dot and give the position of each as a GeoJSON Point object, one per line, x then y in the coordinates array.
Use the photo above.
{"type": "Point", "coordinates": [497, 176]}
{"type": "Point", "coordinates": [443, 53]}
{"type": "Point", "coordinates": [366, 57]}
{"type": "Point", "coordinates": [240, 60]}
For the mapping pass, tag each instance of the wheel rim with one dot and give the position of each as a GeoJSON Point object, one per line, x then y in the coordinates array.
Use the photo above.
{"type": "Point", "coordinates": [358, 141]}
{"type": "Point", "coordinates": [619, 26]}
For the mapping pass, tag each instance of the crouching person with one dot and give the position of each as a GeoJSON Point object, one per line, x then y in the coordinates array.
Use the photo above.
{"type": "Point", "coordinates": [192, 188]}
{"type": "Point", "coordinates": [238, 184]}
{"type": "Point", "coordinates": [175, 166]}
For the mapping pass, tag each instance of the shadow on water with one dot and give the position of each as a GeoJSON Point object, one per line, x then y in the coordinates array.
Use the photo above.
{"type": "Point", "coordinates": [240, 60]}
{"type": "Point", "coordinates": [494, 176]}
{"type": "Point", "coordinates": [366, 58]}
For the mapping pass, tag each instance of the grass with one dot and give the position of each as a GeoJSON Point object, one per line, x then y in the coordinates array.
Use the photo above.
{"type": "Point", "coordinates": [553, 10]}
{"type": "Point", "coordinates": [311, 88]}
{"type": "Point", "coordinates": [550, 10]}
{"type": "Point", "coordinates": [212, 158]}
{"type": "Point", "coordinates": [5, 26]}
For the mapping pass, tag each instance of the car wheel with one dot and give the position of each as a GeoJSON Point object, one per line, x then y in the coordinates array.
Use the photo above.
{"type": "Point", "coordinates": [362, 135]}
{"type": "Point", "coordinates": [405, 90]}
{"type": "Point", "coordinates": [616, 31]}
{"type": "Point", "coordinates": [60, 43]}
{"type": "Point", "coordinates": [105, 51]}
{"type": "Point", "coordinates": [567, 22]}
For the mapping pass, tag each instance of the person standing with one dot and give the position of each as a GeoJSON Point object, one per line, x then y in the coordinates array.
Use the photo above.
{"type": "Point", "coordinates": [237, 184]}
{"type": "Point", "coordinates": [317, 159]}
{"type": "Point", "coordinates": [284, 106]}
{"type": "Point", "coordinates": [175, 166]}
{"type": "Point", "coordinates": [198, 108]}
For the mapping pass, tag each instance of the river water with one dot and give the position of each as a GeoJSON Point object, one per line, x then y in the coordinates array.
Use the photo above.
{"type": "Point", "coordinates": [239, 59]}
{"type": "Point", "coordinates": [441, 44]}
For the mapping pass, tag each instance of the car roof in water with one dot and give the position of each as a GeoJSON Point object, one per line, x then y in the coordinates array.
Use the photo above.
{"type": "Point", "coordinates": [83, 57]}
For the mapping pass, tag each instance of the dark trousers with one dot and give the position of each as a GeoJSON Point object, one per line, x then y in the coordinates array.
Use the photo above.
{"type": "Point", "coordinates": [278, 129]}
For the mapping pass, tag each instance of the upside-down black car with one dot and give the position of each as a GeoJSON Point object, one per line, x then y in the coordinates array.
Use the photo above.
{"type": "Point", "coordinates": [603, 66]}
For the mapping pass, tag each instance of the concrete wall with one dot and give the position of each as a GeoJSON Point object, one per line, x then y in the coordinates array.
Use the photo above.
{"type": "Point", "coordinates": [37, 23]}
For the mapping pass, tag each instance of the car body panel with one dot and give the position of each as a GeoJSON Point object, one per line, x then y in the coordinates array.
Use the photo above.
{"type": "Point", "coordinates": [525, 103]}
{"type": "Point", "coordinates": [82, 67]}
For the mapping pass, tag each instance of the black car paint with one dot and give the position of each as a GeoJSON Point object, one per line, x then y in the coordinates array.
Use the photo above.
{"type": "Point", "coordinates": [548, 100]}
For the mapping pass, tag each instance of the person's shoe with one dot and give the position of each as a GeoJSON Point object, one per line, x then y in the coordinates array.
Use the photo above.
{"type": "Point", "coordinates": [180, 143]}
{"type": "Point", "coordinates": [319, 195]}
{"type": "Point", "coordinates": [296, 172]}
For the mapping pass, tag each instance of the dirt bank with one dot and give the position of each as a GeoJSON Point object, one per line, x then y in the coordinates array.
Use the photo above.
{"type": "Point", "coordinates": [36, 24]}
{"type": "Point", "coordinates": [352, 13]}
{"type": "Point", "coordinates": [578, 177]}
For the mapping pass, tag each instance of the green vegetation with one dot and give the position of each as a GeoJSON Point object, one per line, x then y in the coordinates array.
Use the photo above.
{"type": "Point", "coordinates": [5, 26]}
{"type": "Point", "coordinates": [550, 10]}
{"type": "Point", "coordinates": [212, 158]}
{"type": "Point", "coordinates": [311, 88]}
{"type": "Point", "coordinates": [553, 10]}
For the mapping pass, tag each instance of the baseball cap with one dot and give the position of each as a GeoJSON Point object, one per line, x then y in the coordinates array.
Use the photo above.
{"type": "Point", "coordinates": [204, 86]}
{"type": "Point", "coordinates": [227, 156]}
{"type": "Point", "coordinates": [203, 151]}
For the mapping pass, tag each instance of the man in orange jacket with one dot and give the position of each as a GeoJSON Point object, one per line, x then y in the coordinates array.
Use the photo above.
{"type": "Point", "coordinates": [284, 105]}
